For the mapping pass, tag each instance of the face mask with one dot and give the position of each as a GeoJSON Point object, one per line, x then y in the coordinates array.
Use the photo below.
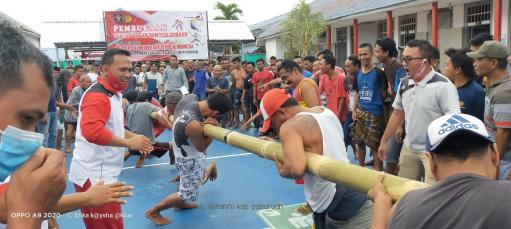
{"type": "Point", "coordinates": [16, 147]}
{"type": "Point", "coordinates": [116, 83]}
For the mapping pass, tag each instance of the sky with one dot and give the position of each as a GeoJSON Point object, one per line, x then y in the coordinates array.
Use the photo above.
{"type": "Point", "coordinates": [33, 13]}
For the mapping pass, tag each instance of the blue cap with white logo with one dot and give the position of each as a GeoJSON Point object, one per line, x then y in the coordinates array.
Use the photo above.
{"type": "Point", "coordinates": [448, 124]}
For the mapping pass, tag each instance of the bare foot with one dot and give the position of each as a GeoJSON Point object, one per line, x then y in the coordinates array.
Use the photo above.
{"type": "Point", "coordinates": [210, 173]}
{"type": "Point", "coordinates": [175, 179]}
{"type": "Point", "coordinates": [140, 162]}
{"type": "Point", "coordinates": [185, 206]}
{"type": "Point", "coordinates": [156, 218]}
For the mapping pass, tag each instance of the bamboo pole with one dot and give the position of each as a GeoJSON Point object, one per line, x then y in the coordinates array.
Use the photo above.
{"type": "Point", "coordinates": [356, 177]}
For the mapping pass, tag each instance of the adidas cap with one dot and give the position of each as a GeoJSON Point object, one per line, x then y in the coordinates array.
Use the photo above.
{"type": "Point", "coordinates": [446, 125]}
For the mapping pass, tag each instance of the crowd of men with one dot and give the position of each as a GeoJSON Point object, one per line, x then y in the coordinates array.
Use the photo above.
{"type": "Point", "coordinates": [448, 127]}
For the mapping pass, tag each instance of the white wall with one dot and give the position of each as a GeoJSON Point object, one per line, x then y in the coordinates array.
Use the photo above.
{"type": "Point", "coordinates": [367, 33]}
{"type": "Point", "coordinates": [275, 47]}
{"type": "Point", "coordinates": [506, 10]}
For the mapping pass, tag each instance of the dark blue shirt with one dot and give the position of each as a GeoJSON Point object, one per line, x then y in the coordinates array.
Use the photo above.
{"type": "Point", "coordinates": [400, 73]}
{"type": "Point", "coordinates": [369, 87]}
{"type": "Point", "coordinates": [200, 81]}
{"type": "Point", "coordinates": [472, 99]}
{"type": "Point", "coordinates": [52, 105]}
{"type": "Point", "coordinates": [213, 82]}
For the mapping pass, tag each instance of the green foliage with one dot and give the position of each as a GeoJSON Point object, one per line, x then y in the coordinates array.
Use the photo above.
{"type": "Point", "coordinates": [229, 11]}
{"type": "Point", "coordinates": [301, 29]}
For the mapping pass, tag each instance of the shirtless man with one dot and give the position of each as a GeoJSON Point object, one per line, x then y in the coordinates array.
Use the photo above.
{"type": "Point", "coordinates": [238, 78]}
{"type": "Point", "coordinates": [190, 145]}
{"type": "Point", "coordinates": [319, 131]}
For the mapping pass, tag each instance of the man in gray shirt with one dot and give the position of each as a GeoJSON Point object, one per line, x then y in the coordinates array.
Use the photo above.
{"type": "Point", "coordinates": [174, 77]}
{"type": "Point", "coordinates": [422, 96]}
{"type": "Point", "coordinates": [464, 159]}
{"type": "Point", "coordinates": [139, 120]}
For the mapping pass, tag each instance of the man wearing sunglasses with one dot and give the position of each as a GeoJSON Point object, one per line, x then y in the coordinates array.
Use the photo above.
{"type": "Point", "coordinates": [422, 96]}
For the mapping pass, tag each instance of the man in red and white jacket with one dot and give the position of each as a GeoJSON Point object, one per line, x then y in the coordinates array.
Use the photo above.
{"type": "Point", "coordinates": [101, 138]}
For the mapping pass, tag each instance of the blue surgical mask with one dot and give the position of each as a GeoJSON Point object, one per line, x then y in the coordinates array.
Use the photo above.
{"type": "Point", "coordinates": [16, 147]}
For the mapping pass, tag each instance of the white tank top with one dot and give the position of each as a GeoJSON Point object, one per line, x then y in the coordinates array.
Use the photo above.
{"type": "Point", "coordinates": [318, 192]}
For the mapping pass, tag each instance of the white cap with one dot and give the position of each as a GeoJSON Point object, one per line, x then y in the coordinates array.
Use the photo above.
{"type": "Point", "coordinates": [448, 124]}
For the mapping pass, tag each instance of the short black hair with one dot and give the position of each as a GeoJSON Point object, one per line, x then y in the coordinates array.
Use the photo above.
{"type": "Point", "coordinates": [143, 96]}
{"type": "Point", "coordinates": [329, 60]}
{"type": "Point", "coordinates": [260, 60]}
{"type": "Point", "coordinates": [289, 103]}
{"type": "Point", "coordinates": [425, 48]}
{"type": "Point", "coordinates": [236, 59]}
{"type": "Point", "coordinates": [75, 68]}
{"type": "Point", "coordinates": [366, 45]}
{"type": "Point", "coordinates": [155, 63]}
{"type": "Point", "coordinates": [173, 56]}
{"type": "Point", "coordinates": [289, 66]}
{"type": "Point", "coordinates": [461, 145]}
{"type": "Point", "coordinates": [243, 62]}
{"type": "Point", "coordinates": [388, 45]}
{"type": "Point", "coordinates": [435, 54]}
{"type": "Point", "coordinates": [459, 59]}
{"type": "Point", "coordinates": [355, 61]}
{"type": "Point", "coordinates": [108, 56]}
{"type": "Point", "coordinates": [326, 52]}
{"type": "Point", "coordinates": [15, 51]}
{"type": "Point", "coordinates": [131, 96]}
{"type": "Point", "coordinates": [219, 102]}
{"type": "Point", "coordinates": [251, 63]}
{"type": "Point", "coordinates": [480, 38]}
{"type": "Point", "coordinates": [310, 59]}
{"type": "Point", "coordinates": [273, 58]}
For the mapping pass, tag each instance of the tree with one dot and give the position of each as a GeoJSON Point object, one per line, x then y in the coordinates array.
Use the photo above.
{"type": "Point", "coordinates": [229, 11]}
{"type": "Point", "coordinates": [301, 29]}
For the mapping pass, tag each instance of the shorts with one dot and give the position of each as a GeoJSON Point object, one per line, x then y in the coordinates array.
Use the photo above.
{"type": "Point", "coordinates": [191, 171]}
{"type": "Point", "coordinates": [237, 93]}
{"type": "Point", "coordinates": [393, 151]}
{"type": "Point", "coordinates": [368, 129]}
{"type": "Point", "coordinates": [74, 124]}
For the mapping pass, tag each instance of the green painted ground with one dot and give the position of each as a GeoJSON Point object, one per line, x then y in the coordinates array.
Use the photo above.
{"type": "Point", "coordinates": [285, 218]}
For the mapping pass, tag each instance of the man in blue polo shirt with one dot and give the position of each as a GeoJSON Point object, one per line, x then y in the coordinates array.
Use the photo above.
{"type": "Point", "coordinates": [459, 69]}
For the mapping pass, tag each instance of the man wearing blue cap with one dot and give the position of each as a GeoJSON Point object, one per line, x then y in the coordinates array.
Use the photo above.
{"type": "Point", "coordinates": [464, 160]}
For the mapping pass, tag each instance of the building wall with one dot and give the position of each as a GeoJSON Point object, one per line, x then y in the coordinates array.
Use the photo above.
{"type": "Point", "coordinates": [274, 47]}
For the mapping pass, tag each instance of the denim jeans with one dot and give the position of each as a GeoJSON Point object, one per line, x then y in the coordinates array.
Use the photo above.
{"type": "Point", "coordinates": [49, 129]}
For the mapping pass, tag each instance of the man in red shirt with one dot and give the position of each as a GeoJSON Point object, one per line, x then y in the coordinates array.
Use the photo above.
{"type": "Point", "coordinates": [74, 81]}
{"type": "Point", "coordinates": [332, 84]}
{"type": "Point", "coordinates": [259, 78]}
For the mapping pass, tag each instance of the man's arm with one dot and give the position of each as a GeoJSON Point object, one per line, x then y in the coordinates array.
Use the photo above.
{"type": "Point", "coordinates": [195, 130]}
{"type": "Point", "coordinates": [502, 138]}
{"type": "Point", "coordinates": [310, 94]}
{"type": "Point", "coordinates": [382, 208]}
{"type": "Point", "coordinates": [161, 120]}
{"type": "Point", "coordinates": [294, 164]}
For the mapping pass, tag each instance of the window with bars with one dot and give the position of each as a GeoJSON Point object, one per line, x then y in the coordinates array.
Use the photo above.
{"type": "Point", "coordinates": [407, 28]}
{"type": "Point", "coordinates": [479, 14]}
{"type": "Point", "coordinates": [478, 18]}
{"type": "Point", "coordinates": [341, 34]}
{"type": "Point", "coordinates": [381, 30]}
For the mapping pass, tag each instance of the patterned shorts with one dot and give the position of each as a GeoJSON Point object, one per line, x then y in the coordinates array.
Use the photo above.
{"type": "Point", "coordinates": [367, 129]}
{"type": "Point", "coordinates": [191, 171]}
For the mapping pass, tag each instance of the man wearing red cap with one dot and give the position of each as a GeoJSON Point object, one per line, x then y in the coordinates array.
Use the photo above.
{"type": "Point", "coordinates": [315, 129]}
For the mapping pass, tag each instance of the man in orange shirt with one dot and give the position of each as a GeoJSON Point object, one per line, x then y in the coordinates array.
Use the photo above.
{"type": "Point", "coordinates": [74, 81]}
{"type": "Point", "coordinates": [332, 84]}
